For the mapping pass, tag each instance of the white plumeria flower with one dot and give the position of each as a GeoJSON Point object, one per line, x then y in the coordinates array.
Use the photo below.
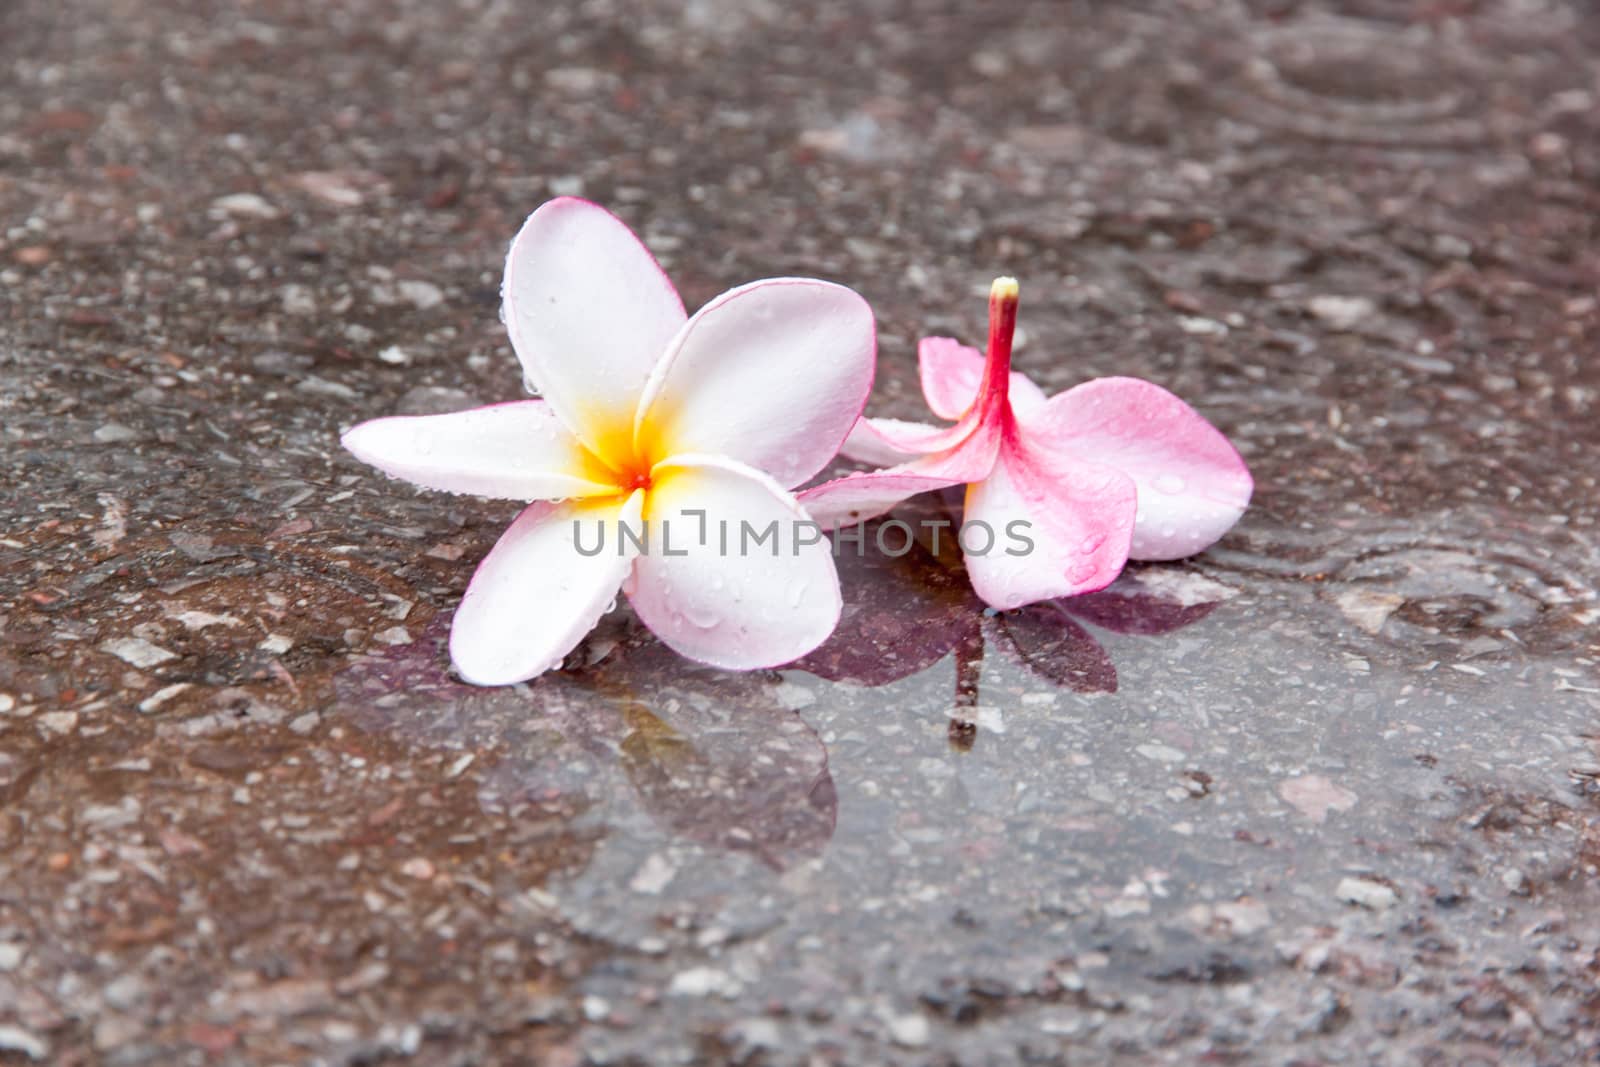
{"type": "Point", "coordinates": [682, 428]}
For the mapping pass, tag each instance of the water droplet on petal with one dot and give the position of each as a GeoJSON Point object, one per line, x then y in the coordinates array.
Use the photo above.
{"type": "Point", "coordinates": [1171, 483]}
{"type": "Point", "coordinates": [702, 616]}
{"type": "Point", "coordinates": [797, 592]}
{"type": "Point", "coordinates": [1092, 543]}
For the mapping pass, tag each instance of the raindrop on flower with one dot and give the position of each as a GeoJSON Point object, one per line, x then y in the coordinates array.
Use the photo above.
{"type": "Point", "coordinates": [1171, 483]}
{"type": "Point", "coordinates": [703, 616]}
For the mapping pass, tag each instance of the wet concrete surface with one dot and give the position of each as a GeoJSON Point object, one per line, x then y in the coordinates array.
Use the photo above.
{"type": "Point", "coordinates": [1326, 794]}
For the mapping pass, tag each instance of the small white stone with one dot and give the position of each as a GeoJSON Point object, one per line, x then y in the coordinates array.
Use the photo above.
{"type": "Point", "coordinates": [114, 433]}
{"type": "Point", "coordinates": [153, 702]}
{"type": "Point", "coordinates": [276, 644]}
{"type": "Point", "coordinates": [199, 620]}
{"type": "Point", "coordinates": [137, 652]}
{"type": "Point", "coordinates": [1162, 753]}
{"type": "Point", "coordinates": [423, 295]}
{"type": "Point", "coordinates": [1367, 609]}
{"type": "Point", "coordinates": [1341, 312]}
{"type": "Point", "coordinates": [579, 81]}
{"type": "Point", "coordinates": [1246, 915]}
{"type": "Point", "coordinates": [759, 1033]}
{"type": "Point", "coordinates": [244, 206]}
{"type": "Point", "coordinates": [59, 722]}
{"type": "Point", "coordinates": [909, 1031]}
{"type": "Point", "coordinates": [1368, 894]}
{"type": "Point", "coordinates": [653, 875]}
{"type": "Point", "coordinates": [1123, 907]}
{"type": "Point", "coordinates": [394, 635]}
{"type": "Point", "coordinates": [1202, 326]}
{"type": "Point", "coordinates": [11, 955]}
{"type": "Point", "coordinates": [298, 300]}
{"type": "Point", "coordinates": [16, 1039]}
{"type": "Point", "coordinates": [703, 982]}
{"type": "Point", "coordinates": [395, 356]}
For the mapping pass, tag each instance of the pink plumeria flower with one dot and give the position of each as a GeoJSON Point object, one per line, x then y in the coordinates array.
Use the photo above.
{"type": "Point", "coordinates": [1112, 470]}
{"type": "Point", "coordinates": [651, 421]}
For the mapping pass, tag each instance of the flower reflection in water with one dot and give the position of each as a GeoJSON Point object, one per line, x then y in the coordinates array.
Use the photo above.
{"type": "Point", "coordinates": [711, 756]}
{"type": "Point", "coordinates": [718, 758]}
{"type": "Point", "coordinates": [904, 614]}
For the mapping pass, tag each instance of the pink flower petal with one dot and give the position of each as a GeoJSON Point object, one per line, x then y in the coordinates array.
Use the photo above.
{"type": "Point", "coordinates": [516, 451]}
{"type": "Point", "coordinates": [1192, 483]}
{"type": "Point", "coordinates": [535, 595]}
{"type": "Point", "coordinates": [888, 442]}
{"type": "Point", "coordinates": [894, 441]}
{"type": "Point", "coordinates": [867, 494]}
{"type": "Point", "coordinates": [589, 312]}
{"type": "Point", "coordinates": [1078, 517]}
{"type": "Point", "coordinates": [723, 596]}
{"type": "Point", "coordinates": [952, 373]}
{"type": "Point", "coordinates": [772, 374]}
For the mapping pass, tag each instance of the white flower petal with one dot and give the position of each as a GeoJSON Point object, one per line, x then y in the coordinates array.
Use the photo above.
{"type": "Point", "coordinates": [535, 595]}
{"type": "Point", "coordinates": [516, 451]}
{"type": "Point", "coordinates": [590, 313]}
{"type": "Point", "coordinates": [772, 374]}
{"type": "Point", "coordinates": [733, 598]}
